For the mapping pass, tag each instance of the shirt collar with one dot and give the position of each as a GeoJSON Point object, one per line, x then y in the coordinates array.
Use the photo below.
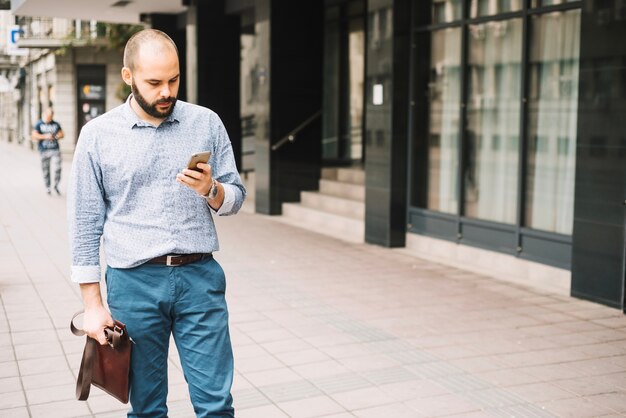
{"type": "Point", "coordinates": [134, 119]}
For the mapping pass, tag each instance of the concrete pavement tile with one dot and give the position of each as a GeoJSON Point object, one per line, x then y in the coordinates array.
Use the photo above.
{"type": "Point", "coordinates": [311, 407]}
{"type": "Point", "coordinates": [12, 399]}
{"type": "Point", "coordinates": [320, 369]}
{"type": "Point", "coordinates": [595, 367]}
{"type": "Point", "coordinates": [508, 377]}
{"type": "Point", "coordinates": [268, 411]}
{"type": "Point", "coordinates": [14, 413]}
{"type": "Point", "coordinates": [104, 403]}
{"type": "Point", "coordinates": [5, 339]}
{"type": "Point", "coordinates": [238, 338]}
{"type": "Point", "coordinates": [617, 322]}
{"type": "Point", "coordinates": [62, 409]}
{"type": "Point", "coordinates": [7, 355]}
{"type": "Point", "coordinates": [438, 406]}
{"type": "Point", "coordinates": [48, 380]}
{"type": "Point", "coordinates": [240, 383]}
{"type": "Point", "coordinates": [575, 408]}
{"type": "Point", "coordinates": [247, 351]}
{"type": "Point", "coordinates": [258, 363]}
{"type": "Point", "coordinates": [540, 392]}
{"type": "Point", "coordinates": [178, 392]}
{"type": "Point", "coordinates": [415, 389]}
{"type": "Point", "coordinates": [386, 411]}
{"type": "Point", "coordinates": [477, 364]}
{"type": "Point", "coordinates": [362, 398]}
{"type": "Point", "coordinates": [606, 335]}
{"type": "Point", "coordinates": [31, 351]}
{"type": "Point", "coordinates": [41, 324]}
{"type": "Point", "coordinates": [594, 385]}
{"type": "Point", "coordinates": [51, 394]}
{"type": "Point", "coordinates": [42, 365]}
{"type": "Point", "coordinates": [615, 401]}
{"type": "Point", "coordinates": [73, 346]}
{"type": "Point", "coordinates": [285, 346]}
{"type": "Point", "coordinates": [602, 350]}
{"type": "Point", "coordinates": [10, 384]}
{"type": "Point", "coordinates": [271, 377]}
{"type": "Point", "coordinates": [369, 362]}
{"type": "Point", "coordinates": [8, 369]}
{"type": "Point", "coordinates": [269, 335]}
{"type": "Point", "coordinates": [550, 372]}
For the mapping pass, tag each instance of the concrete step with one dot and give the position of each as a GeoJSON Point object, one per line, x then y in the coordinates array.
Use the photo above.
{"type": "Point", "coordinates": [344, 175]}
{"type": "Point", "coordinates": [343, 190]}
{"type": "Point", "coordinates": [337, 226]}
{"type": "Point", "coordinates": [351, 175]}
{"type": "Point", "coordinates": [333, 204]}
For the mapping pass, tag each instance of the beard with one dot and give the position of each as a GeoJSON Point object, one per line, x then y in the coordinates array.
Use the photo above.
{"type": "Point", "coordinates": [151, 108]}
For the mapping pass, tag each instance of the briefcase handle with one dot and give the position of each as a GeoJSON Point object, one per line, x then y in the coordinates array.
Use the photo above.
{"type": "Point", "coordinates": [113, 334]}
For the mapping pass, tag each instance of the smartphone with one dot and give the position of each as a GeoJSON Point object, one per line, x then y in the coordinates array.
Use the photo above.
{"type": "Point", "coordinates": [198, 157]}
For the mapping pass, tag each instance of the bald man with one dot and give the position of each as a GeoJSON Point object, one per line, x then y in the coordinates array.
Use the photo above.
{"type": "Point", "coordinates": [130, 186]}
{"type": "Point", "coordinates": [47, 133]}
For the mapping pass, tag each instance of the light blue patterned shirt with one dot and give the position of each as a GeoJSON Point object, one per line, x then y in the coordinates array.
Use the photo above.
{"type": "Point", "coordinates": [123, 188]}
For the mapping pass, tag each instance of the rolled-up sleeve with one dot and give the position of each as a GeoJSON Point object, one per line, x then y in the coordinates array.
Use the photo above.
{"type": "Point", "coordinates": [86, 210]}
{"type": "Point", "coordinates": [225, 171]}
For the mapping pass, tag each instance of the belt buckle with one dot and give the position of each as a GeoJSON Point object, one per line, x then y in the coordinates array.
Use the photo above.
{"type": "Point", "coordinates": [170, 261]}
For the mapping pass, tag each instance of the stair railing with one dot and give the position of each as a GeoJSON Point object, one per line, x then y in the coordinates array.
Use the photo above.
{"type": "Point", "coordinates": [291, 136]}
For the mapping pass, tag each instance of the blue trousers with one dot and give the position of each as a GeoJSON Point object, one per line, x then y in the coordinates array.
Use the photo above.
{"type": "Point", "coordinates": [156, 301]}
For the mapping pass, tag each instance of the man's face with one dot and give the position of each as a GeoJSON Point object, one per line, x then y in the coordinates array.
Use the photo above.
{"type": "Point", "coordinates": [47, 116]}
{"type": "Point", "coordinates": [160, 108]}
{"type": "Point", "coordinates": [155, 82]}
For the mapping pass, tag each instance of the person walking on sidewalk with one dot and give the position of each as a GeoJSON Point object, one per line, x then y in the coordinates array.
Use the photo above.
{"type": "Point", "coordinates": [130, 185]}
{"type": "Point", "coordinates": [47, 133]}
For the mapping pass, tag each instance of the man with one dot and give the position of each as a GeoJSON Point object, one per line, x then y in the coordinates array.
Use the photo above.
{"type": "Point", "coordinates": [47, 133]}
{"type": "Point", "coordinates": [130, 185]}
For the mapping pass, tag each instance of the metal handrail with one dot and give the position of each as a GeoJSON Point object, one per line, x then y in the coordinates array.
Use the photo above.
{"type": "Point", "coordinates": [291, 136]}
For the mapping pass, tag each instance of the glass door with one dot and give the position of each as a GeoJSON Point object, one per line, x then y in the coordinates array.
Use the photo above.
{"type": "Point", "coordinates": [344, 77]}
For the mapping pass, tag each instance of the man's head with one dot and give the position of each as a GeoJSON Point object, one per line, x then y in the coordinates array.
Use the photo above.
{"type": "Point", "coordinates": [47, 115]}
{"type": "Point", "coordinates": [152, 70]}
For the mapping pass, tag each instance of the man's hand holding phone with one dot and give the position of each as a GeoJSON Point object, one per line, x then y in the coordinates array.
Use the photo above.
{"type": "Point", "coordinates": [198, 176]}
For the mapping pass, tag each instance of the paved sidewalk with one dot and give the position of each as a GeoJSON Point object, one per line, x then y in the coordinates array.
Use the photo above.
{"type": "Point", "coordinates": [320, 328]}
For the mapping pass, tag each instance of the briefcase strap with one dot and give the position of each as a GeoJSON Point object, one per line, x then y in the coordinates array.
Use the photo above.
{"type": "Point", "coordinates": [83, 383]}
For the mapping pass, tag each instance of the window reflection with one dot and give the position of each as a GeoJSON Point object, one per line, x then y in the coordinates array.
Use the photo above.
{"type": "Point", "coordinates": [492, 7]}
{"type": "Point", "coordinates": [552, 110]}
{"type": "Point", "coordinates": [491, 174]}
{"type": "Point", "coordinates": [446, 10]}
{"type": "Point", "coordinates": [445, 92]}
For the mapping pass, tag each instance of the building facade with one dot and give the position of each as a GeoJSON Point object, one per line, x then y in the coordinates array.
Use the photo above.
{"type": "Point", "coordinates": [489, 134]}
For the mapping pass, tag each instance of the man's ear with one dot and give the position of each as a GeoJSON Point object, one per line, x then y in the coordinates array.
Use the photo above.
{"type": "Point", "coordinates": [127, 76]}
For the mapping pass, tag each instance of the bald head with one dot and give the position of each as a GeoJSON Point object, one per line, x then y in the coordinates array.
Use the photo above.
{"type": "Point", "coordinates": [147, 40]}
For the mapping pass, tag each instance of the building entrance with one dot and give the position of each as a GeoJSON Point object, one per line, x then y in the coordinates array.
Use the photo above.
{"type": "Point", "coordinates": [344, 76]}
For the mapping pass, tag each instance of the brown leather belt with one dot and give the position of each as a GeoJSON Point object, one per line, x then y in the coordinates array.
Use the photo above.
{"type": "Point", "coordinates": [174, 260]}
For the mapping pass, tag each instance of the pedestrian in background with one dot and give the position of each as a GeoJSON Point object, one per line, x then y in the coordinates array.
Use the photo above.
{"type": "Point", "coordinates": [47, 133]}
{"type": "Point", "coordinates": [130, 185]}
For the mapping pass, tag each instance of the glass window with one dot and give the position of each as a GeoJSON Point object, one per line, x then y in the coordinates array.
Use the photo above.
{"type": "Point", "coordinates": [552, 110]}
{"type": "Point", "coordinates": [492, 7]}
{"type": "Point", "coordinates": [540, 3]}
{"type": "Point", "coordinates": [493, 112]}
{"type": "Point", "coordinates": [330, 106]}
{"type": "Point", "coordinates": [444, 91]}
{"type": "Point", "coordinates": [446, 10]}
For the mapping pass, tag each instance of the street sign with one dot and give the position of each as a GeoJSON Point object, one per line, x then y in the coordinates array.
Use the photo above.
{"type": "Point", "coordinates": [13, 34]}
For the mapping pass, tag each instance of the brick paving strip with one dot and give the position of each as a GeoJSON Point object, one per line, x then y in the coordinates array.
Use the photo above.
{"type": "Point", "coordinates": [320, 328]}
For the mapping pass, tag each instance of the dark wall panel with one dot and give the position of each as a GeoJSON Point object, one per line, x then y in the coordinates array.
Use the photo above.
{"type": "Point", "coordinates": [219, 66]}
{"type": "Point", "coordinates": [599, 211]}
{"type": "Point", "coordinates": [289, 38]}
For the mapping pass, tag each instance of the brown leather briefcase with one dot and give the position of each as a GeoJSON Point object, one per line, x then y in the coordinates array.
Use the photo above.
{"type": "Point", "coordinates": [105, 366]}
